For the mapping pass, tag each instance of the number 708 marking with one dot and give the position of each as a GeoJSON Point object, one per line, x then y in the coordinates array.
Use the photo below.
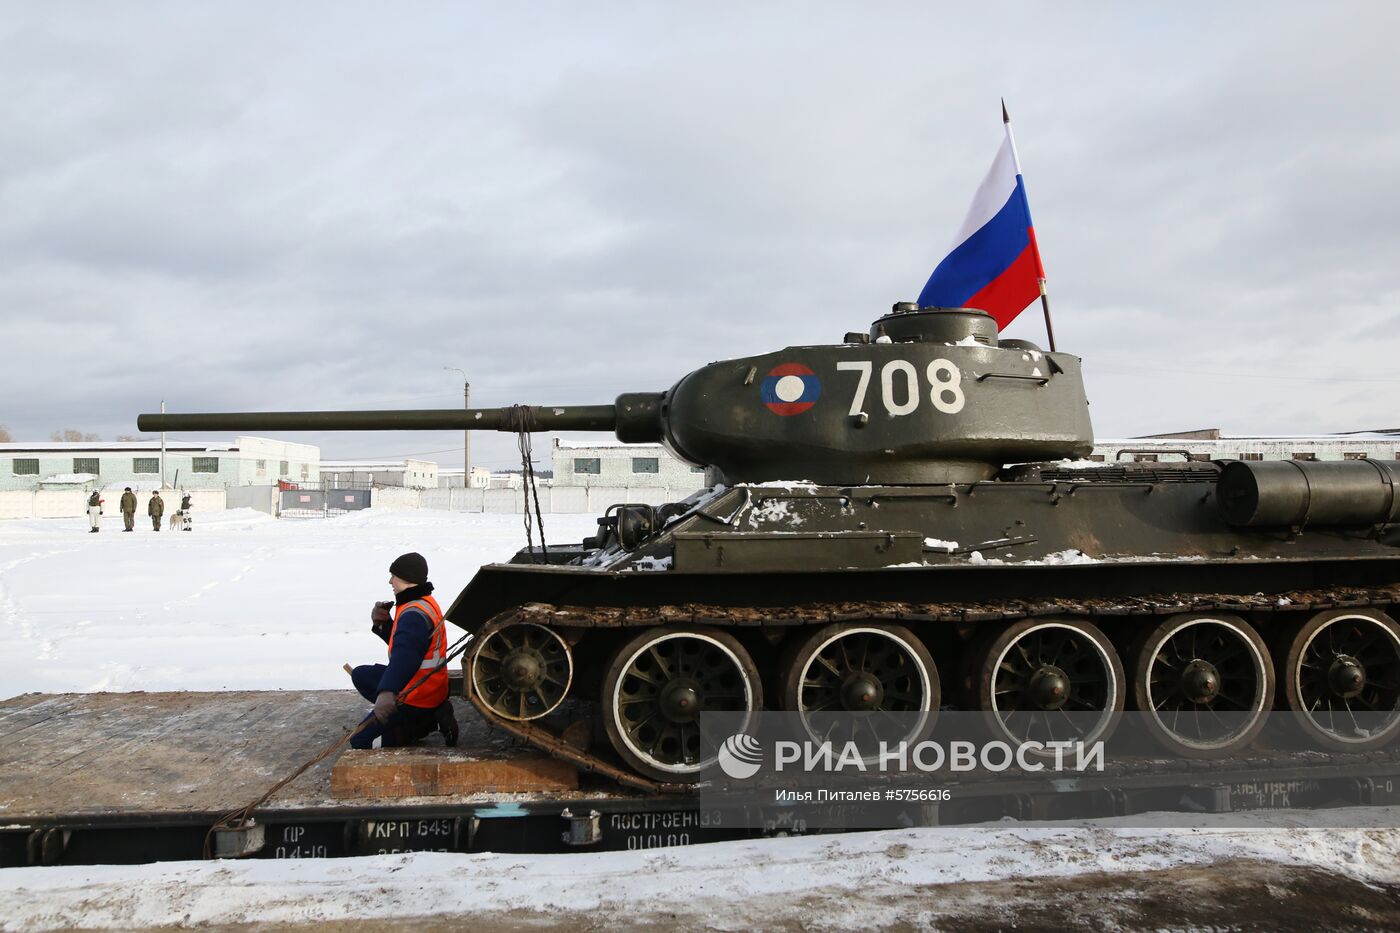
{"type": "Point", "coordinates": [945, 381]}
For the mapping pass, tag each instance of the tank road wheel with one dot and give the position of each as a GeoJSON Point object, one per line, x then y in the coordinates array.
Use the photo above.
{"type": "Point", "coordinates": [863, 668]}
{"type": "Point", "coordinates": [658, 684]}
{"type": "Point", "coordinates": [1205, 682]}
{"type": "Point", "coordinates": [1342, 678]}
{"type": "Point", "coordinates": [1050, 680]}
{"type": "Point", "coordinates": [522, 671]}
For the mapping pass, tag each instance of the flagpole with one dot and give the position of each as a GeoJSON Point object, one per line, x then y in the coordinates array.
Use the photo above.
{"type": "Point", "coordinates": [1045, 304]}
{"type": "Point", "coordinates": [1044, 298]}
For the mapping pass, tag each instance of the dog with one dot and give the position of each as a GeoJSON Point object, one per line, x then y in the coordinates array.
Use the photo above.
{"type": "Point", "coordinates": [179, 520]}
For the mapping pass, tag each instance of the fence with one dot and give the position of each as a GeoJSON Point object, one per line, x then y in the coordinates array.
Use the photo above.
{"type": "Point", "coordinates": [579, 499]}
{"type": "Point", "coordinates": [72, 503]}
{"type": "Point", "coordinates": [324, 502]}
{"type": "Point", "coordinates": [262, 498]}
{"type": "Point", "coordinates": [552, 498]}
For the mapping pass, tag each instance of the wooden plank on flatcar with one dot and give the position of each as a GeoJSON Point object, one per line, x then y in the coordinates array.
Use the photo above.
{"type": "Point", "coordinates": [142, 752]}
{"type": "Point", "coordinates": [129, 754]}
{"type": "Point", "coordinates": [433, 772]}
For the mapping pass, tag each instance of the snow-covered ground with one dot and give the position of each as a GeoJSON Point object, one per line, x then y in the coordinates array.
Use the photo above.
{"type": "Point", "coordinates": [242, 602]}
{"type": "Point", "coordinates": [1257, 878]}
{"type": "Point", "coordinates": [246, 602]}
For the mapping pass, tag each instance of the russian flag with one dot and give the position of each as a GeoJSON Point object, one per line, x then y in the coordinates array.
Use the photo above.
{"type": "Point", "coordinates": [994, 264]}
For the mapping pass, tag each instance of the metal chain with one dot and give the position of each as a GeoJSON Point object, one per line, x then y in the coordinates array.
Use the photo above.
{"type": "Point", "coordinates": [237, 819]}
{"type": "Point", "coordinates": [520, 419]}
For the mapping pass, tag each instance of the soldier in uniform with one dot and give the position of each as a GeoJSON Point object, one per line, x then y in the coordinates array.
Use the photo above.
{"type": "Point", "coordinates": [155, 509]}
{"type": "Point", "coordinates": [94, 512]}
{"type": "Point", "coordinates": [128, 509]}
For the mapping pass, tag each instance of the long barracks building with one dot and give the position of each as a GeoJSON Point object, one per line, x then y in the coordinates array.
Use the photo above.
{"type": "Point", "coordinates": [1212, 444]}
{"type": "Point", "coordinates": [612, 463]}
{"type": "Point", "coordinates": [632, 465]}
{"type": "Point", "coordinates": [247, 461]}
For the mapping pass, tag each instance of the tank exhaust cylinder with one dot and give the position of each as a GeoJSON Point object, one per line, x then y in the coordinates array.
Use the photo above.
{"type": "Point", "coordinates": [1294, 493]}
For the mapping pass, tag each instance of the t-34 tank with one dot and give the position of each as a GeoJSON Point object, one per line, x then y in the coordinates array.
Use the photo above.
{"type": "Point", "coordinates": [901, 522]}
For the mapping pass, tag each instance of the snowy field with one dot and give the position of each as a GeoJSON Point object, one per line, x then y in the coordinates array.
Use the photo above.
{"type": "Point", "coordinates": [242, 602]}
{"type": "Point", "coordinates": [247, 602]}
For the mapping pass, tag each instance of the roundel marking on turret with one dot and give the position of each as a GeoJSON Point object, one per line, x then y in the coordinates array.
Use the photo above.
{"type": "Point", "coordinates": [790, 389]}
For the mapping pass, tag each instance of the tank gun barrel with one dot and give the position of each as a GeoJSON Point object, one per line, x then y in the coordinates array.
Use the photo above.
{"type": "Point", "coordinates": [635, 416]}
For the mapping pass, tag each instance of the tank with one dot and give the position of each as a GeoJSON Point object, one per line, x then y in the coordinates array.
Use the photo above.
{"type": "Point", "coordinates": [903, 521]}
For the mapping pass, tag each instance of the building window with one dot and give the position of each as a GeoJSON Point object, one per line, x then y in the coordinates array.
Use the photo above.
{"type": "Point", "coordinates": [282, 466]}
{"type": "Point", "coordinates": [1251, 456]}
{"type": "Point", "coordinates": [1353, 455]}
{"type": "Point", "coordinates": [145, 464]}
{"type": "Point", "coordinates": [1304, 455]}
{"type": "Point", "coordinates": [30, 467]}
{"type": "Point", "coordinates": [261, 466]}
{"type": "Point", "coordinates": [588, 465]}
{"type": "Point", "coordinates": [646, 465]}
{"type": "Point", "coordinates": [305, 471]}
{"type": "Point", "coordinates": [205, 465]}
{"type": "Point", "coordinates": [86, 465]}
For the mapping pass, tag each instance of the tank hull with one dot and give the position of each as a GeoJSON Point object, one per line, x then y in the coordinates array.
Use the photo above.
{"type": "Point", "coordinates": [1137, 564]}
{"type": "Point", "coordinates": [1116, 531]}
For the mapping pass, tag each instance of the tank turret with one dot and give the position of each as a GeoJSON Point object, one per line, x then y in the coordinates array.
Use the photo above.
{"type": "Point", "coordinates": [926, 396]}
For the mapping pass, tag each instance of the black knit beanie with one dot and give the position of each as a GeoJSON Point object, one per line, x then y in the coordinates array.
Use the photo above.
{"type": "Point", "coordinates": [411, 568]}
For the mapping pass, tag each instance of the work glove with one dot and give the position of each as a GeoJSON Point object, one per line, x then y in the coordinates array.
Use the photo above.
{"type": "Point", "coordinates": [379, 615]}
{"type": "Point", "coordinates": [384, 706]}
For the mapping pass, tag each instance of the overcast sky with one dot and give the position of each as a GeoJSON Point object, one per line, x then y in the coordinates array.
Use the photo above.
{"type": "Point", "coordinates": [277, 206]}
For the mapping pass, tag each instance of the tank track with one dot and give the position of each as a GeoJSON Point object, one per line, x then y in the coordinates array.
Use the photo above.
{"type": "Point", "coordinates": [983, 611]}
{"type": "Point", "coordinates": [548, 615]}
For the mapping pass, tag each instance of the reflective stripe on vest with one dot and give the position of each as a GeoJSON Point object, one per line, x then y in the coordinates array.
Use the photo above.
{"type": "Point", "coordinates": [433, 689]}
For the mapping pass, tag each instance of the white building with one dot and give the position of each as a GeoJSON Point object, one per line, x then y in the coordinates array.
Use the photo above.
{"type": "Point", "coordinates": [1211, 444]}
{"type": "Point", "coordinates": [408, 473]}
{"type": "Point", "coordinates": [613, 463]}
{"type": "Point", "coordinates": [451, 478]}
{"type": "Point", "coordinates": [247, 461]}
{"type": "Point", "coordinates": [509, 481]}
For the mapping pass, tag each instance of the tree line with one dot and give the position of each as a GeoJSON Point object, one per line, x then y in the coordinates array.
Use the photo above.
{"type": "Point", "coordinates": [66, 435]}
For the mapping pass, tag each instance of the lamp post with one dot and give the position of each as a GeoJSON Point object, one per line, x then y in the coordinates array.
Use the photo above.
{"type": "Point", "coordinates": [466, 435]}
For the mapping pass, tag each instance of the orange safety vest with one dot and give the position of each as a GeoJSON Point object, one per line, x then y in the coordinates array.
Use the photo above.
{"type": "Point", "coordinates": [433, 690]}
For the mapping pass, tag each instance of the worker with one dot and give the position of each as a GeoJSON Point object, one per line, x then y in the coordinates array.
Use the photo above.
{"type": "Point", "coordinates": [410, 692]}
{"type": "Point", "coordinates": [94, 512]}
{"type": "Point", "coordinates": [128, 509]}
{"type": "Point", "coordinates": [185, 521]}
{"type": "Point", "coordinates": [155, 509]}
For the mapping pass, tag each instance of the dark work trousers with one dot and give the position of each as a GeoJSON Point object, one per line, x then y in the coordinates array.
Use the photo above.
{"type": "Point", "coordinates": [129, 520]}
{"type": "Point", "coordinates": [406, 726]}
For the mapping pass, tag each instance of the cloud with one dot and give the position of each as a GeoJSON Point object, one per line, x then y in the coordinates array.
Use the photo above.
{"type": "Point", "coordinates": [261, 209]}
